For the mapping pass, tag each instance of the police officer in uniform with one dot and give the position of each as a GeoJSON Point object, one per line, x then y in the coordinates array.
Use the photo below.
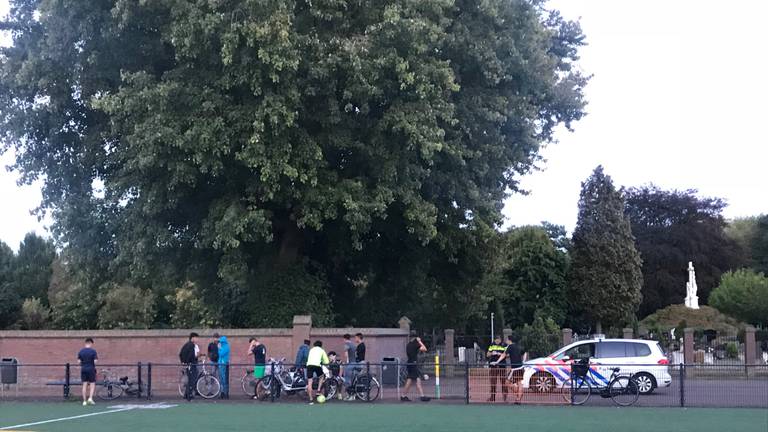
{"type": "Point", "coordinates": [497, 368]}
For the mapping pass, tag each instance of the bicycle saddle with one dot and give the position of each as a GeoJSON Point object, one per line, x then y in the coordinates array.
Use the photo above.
{"type": "Point", "coordinates": [615, 369]}
{"type": "Point", "coordinates": [124, 379]}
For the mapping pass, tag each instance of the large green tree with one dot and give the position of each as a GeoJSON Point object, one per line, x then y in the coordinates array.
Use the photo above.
{"type": "Point", "coordinates": [605, 278]}
{"type": "Point", "coordinates": [743, 294]}
{"type": "Point", "coordinates": [532, 280]}
{"type": "Point", "coordinates": [10, 301]}
{"type": "Point", "coordinates": [357, 141]}
{"type": "Point", "coordinates": [672, 228]}
{"type": "Point", "coordinates": [759, 245]}
{"type": "Point", "coordinates": [32, 270]}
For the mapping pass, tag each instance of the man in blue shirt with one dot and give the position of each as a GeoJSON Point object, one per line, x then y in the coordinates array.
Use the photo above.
{"type": "Point", "coordinates": [302, 354]}
{"type": "Point", "coordinates": [87, 358]}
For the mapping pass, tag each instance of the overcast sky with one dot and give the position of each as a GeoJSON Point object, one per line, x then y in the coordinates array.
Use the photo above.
{"type": "Point", "coordinates": [678, 99]}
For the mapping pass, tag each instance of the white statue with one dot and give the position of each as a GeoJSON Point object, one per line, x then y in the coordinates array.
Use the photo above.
{"type": "Point", "coordinates": [691, 299]}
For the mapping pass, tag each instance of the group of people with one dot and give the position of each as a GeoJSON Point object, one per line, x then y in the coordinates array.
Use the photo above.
{"type": "Point", "coordinates": [502, 356]}
{"type": "Point", "coordinates": [315, 359]}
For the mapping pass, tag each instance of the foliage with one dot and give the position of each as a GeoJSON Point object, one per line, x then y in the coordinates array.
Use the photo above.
{"type": "Point", "coordinates": [743, 231]}
{"type": "Point", "coordinates": [759, 245]}
{"type": "Point", "coordinates": [32, 269]}
{"type": "Point", "coordinates": [732, 350]}
{"type": "Point", "coordinates": [533, 276]}
{"type": "Point", "coordinates": [672, 228]}
{"type": "Point", "coordinates": [10, 301]}
{"type": "Point", "coordinates": [264, 135]}
{"type": "Point", "coordinates": [190, 310]}
{"type": "Point", "coordinates": [679, 317]}
{"type": "Point", "coordinates": [605, 279]}
{"type": "Point", "coordinates": [294, 291]}
{"type": "Point", "coordinates": [540, 338]}
{"type": "Point", "coordinates": [126, 307]}
{"type": "Point", "coordinates": [34, 315]}
{"type": "Point", "coordinates": [743, 294]}
{"type": "Point", "coordinates": [73, 297]}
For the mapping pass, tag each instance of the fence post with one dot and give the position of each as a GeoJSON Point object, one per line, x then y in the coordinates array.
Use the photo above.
{"type": "Point", "coordinates": [229, 382]}
{"type": "Point", "coordinates": [682, 385]}
{"type": "Point", "coordinates": [139, 379]}
{"type": "Point", "coordinates": [368, 387]}
{"type": "Point", "coordinates": [149, 381]}
{"type": "Point", "coordinates": [437, 375]}
{"type": "Point", "coordinates": [272, 380]}
{"type": "Point", "coordinates": [750, 349]}
{"type": "Point", "coordinates": [466, 381]}
{"type": "Point", "coordinates": [66, 381]}
{"type": "Point", "coordinates": [567, 336]}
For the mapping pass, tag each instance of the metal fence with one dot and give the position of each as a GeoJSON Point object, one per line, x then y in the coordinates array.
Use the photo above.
{"type": "Point", "coordinates": [696, 385]}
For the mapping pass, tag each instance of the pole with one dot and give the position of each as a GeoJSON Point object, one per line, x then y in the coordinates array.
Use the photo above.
{"type": "Point", "coordinates": [492, 315]}
{"type": "Point", "coordinates": [66, 381]}
{"type": "Point", "coordinates": [682, 385]}
{"type": "Point", "coordinates": [138, 367]}
{"type": "Point", "coordinates": [466, 381]}
{"type": "Point", "coordinates": [437, 374]}
{"type": "Point", "coordinates": [149, 381]}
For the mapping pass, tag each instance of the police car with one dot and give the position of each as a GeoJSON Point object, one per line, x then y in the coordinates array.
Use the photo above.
{"type": "Point", "coordinates": [644, 360]}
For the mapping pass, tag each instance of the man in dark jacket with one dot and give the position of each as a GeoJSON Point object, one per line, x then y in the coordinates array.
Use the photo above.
{"type": "Point", "coordinates": [188, 357]}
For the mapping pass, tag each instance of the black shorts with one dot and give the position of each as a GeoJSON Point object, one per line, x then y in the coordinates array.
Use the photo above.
{"type": "Point", "coordinates": [314, 372]}
{"type": "Point", "coordinates": [88, 376]}
{"type": "Point", "coordinates": [413, 371]}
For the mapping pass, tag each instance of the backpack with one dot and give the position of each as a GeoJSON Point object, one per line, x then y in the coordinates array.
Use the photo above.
{"type": "Point", "coordinates": [187, 353]}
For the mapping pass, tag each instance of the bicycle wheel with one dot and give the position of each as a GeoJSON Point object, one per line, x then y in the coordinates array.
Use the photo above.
{"type": "Point", "coordinates": [576, 392]}
{"type": "Point", "coordinates": [183, 383]}
{"type": "Point", "coordinates": [264, 388]}
{"type": "Point", "coordinates": [330, 388]}
{"type": "Point", "coordinates": [249, 383]}
{"type": "Point", "coordinates": [367, 388]}
{"type": "Point", "coordinates": [623, 391]}
{"type": "Point", "coordinates": [109, 391]}
{"type": "Point", "coordinates": [208, 386]}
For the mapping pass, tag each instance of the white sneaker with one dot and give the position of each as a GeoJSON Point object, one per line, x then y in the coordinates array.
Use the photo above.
{"type": "Point", "coordinates": [85, 403]}
{"type": "Point", "coordinates": [91, 402]}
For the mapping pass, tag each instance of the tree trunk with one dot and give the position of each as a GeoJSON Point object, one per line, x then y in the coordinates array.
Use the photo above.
{"type": "Point", "coordinates": [290, 237]}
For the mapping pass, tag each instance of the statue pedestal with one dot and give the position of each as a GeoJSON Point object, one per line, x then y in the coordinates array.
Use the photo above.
{"type": "Point", "coordinates": [692, 302]}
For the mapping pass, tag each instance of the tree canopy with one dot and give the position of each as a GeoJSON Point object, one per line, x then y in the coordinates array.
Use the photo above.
{"type": "Point", "coordinates": [672, 228]}
{"type": "Point", "coordinates": [366, 144]}
{"type": "Point", "coordinates": [743, 294]}
{"type": "Point", "coordinates": [605, 279]}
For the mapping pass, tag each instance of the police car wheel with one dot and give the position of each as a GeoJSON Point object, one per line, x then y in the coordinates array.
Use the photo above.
{"type": "Point", "coordinates": [645, 383]}
{"type": "Point", "coordinates": [543, 382]}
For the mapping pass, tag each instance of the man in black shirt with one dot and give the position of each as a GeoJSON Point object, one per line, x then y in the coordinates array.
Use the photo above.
{"type": "Point", "coordinates": [514, 357]}
{"type": "Point", "coordinates": [259, 353]}
{"type": "Point", "coordinates": [188, 357]}
{"type": "Point", "coordinates": [412, 350]}
{"type": "Point", "coordinates": [496, 367]}
{"type": "Point", "coordinates": [213, 349]}
{"type": "Point", "coordinates": [360, 348]}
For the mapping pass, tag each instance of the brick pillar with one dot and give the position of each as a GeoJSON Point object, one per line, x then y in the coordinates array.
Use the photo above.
{"type": "Point", "coordinates": [567, 336]}
{"type": "Point", "coordinates": [302, 325]}
{"type": "Point", "coordinates": [750, 348]}
{"type": "Point", "coordinates": [688, 346]}
{"type": "Point", "coordinates": [629, 333]}
{"type": "Point", "coordinates": [449, 346]}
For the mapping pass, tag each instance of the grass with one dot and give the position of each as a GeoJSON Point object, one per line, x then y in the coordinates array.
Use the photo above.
{"type": "Point", "coordinates": [265, 417]}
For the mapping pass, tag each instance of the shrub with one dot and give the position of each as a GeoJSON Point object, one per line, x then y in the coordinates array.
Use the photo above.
{"type": "Point", "coordinates": [744, 295]}
{"type": "Point", "coordinates": [541, 337]}
{"type": "Point", "coordinates": [190, 310]}
{"type": "Point", "coordinates": [34, 315]}
{"type": "Point", "coordinates": [126, 307]}
{"type": "Point", "coordinates": [732, 350]}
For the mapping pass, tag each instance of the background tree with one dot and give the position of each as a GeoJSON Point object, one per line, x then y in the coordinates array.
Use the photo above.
{"type": "Point", "coordinates": [331, 143]}
{"type": "Point", "coordinates": [10, 301]}
{"type": "Point", "coordinates": [126, 307]}
{"type": "Point", "coordinates": [533, 274]}
{"type": "Point", "coordinates": [743, 294]}
{"type": "Point", "coordinates": [672, 228]}
{"type": "Point", "coordinates": [34, 315]}
{"type": "Point", "coordinates": [605, 278]}
{"type": "Point", "coordinates": [32, 269]}
{"type": "Point", "coordinates": [759, 245]}
{"type": "Point", "coordinates": [743, 230]}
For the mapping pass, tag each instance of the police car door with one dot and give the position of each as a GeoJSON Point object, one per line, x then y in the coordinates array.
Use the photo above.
{"type": "Point", "coordinates": [609, 355]}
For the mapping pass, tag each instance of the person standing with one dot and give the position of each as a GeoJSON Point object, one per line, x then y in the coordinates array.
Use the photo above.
{"type": "Point", "coordinates": [412, 350]}
{"type": "Point", "coordinates": [316, 359]}
{"type": "Point", "coordinates": [496, 367]}
{"type": "Point", "coordinates": [222, 358]}
{"type": "Point", "coordinates": [514, 357]}
{"type": "Point", "coordinates": [302, 354]}
{"type": "Point", "coordinates": [259, 353]}
{"type": "Point", "coordinates": [188, 357]}
{"type": "Point", "coordinates": [87, 357]}
{"type": "Point", "coordinates": [213, 349]}
{"type": "Point", "coordinates": [350, 361]}
{"type": "Point", "coordinates": [359, 349]}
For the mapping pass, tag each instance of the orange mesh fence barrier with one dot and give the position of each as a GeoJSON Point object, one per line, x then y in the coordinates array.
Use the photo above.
{"type": "Point", "coordinates": [505, 386]}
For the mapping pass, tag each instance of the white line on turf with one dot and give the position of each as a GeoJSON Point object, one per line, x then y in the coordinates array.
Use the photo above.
{"type": "Point", "coordinates": [112, 409]}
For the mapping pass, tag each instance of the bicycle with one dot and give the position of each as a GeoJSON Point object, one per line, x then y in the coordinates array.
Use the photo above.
{"type": "Point", "coordinates": [207, 385]}
{"type": "Point", "coordinates": [621, 389]}
{"type": "Point", "coordinates": [249, 382]}
{"type": "Point", "coordinates": [279, 380]}
{"type": "Point", "coordinates": [111, 389]}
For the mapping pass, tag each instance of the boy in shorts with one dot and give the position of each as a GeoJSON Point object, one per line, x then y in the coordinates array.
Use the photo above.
{"type": "Point", "coordinates": [87, 358]}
